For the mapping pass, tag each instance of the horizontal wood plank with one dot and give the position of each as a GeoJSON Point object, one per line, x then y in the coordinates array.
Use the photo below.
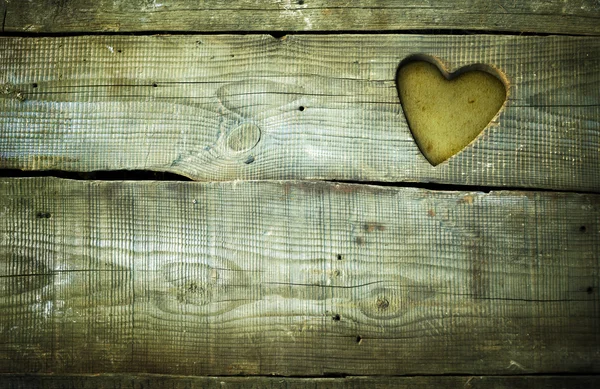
{"type": "Point", "coordinates": [125, 381]}
{"type": "Point", "coordinates": [304, 107]}
{"type": "Point", "coordinates": [547, 16]}
{"type": "Point", "coordinates": [295, 278]}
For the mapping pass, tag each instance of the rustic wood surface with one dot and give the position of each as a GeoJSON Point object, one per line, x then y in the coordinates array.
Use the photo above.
{"type": "Point", "coordinates": [303, 107]}
{"type": "Point", "coordinates": [295, 278]}
{"type": "Point", "coordinates": [110, 381]}
{"type": "Point", "coordinates": [548, 16]}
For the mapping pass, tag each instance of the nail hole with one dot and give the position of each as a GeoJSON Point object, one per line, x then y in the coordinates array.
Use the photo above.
{"type": "Point", "coordinates": [43, 215]}
{"type": "Point", "coordinates": [336, 317]}
{"type": "Point", "coordinates": [119, 51]}
{"type": "Point", "coordinates": [154, 85]}
{"type": "Point", "coordinates": [358, 339]}
{"type": "Point", "coordinates": [582, 229]}
{"type": "Point", "coordinates": [300, 2]}
{"type": "Point", "coordinates": [339, 257]}
{"type": "Point", "coordinates": [301, 109]}
{"type": "Point", "coordinates": [34, 85]}
{"type": "Point", "coordinates": [590, 290]}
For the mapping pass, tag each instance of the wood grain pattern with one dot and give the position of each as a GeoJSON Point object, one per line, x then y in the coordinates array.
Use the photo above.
{"type": "Point", "coordinates": [124, 381]}
{"type": "Point", "coordinates": [326, 107]}
{"type": "Point", "coordinates": [548, 16]}
{"type": "Point", "coordinates": [295, 278]}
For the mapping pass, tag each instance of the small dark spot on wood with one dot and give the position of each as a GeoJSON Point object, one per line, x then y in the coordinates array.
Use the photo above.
{"type": "Point", "coordinates": [590, 290]}
{"type": "Point", "coordinates": [154, 85]}
{"type": "Point", "coordinates": [582, 229]}
{"type": "Point", "coordinates": [383, 303]}
{"type": "Point", "coordinates": [119, 51]}
{"type": "Point", "coordinates": [301, 109]}
{"type": "Point", "coordinates": [34, 85]}
{"type": "Point", "coordinates": [339, 257]}
{"type": "Point", "coordinates": [360, 240]}
{"type": "Point", "coordinates": [336, 317]}
{"type": "Point", "coordinates": [370, 227]}
{"type": "Point", "coordinates": [43, 215]}
{"type": "Point", "coordinates": [471, 101]}
{"type": "Point", "coordinates": [198, 43]}
{"type": "Point", "coordinates": [249, 160]}
{"type": "Point", "coordinates": [232, 55]}
{"type": "Point", "coordinates": [358, 339]}
{"type": "Point", "coordinates": [300, 2]}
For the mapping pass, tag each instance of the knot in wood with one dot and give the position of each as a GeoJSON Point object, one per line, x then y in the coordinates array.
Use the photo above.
{"type": "Point", "coordinates": [243, 138]}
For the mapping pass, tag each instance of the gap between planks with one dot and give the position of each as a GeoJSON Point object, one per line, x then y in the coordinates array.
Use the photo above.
{"type": "Point", "coordinates": [148, 175]}
{"type": "Point", "coordinates": [104, 381]}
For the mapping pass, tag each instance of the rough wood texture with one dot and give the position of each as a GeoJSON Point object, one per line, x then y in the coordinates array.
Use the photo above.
{"type": "Point", "coordinates": [295, 278]}
{"type": "Point", "coordinates": [547, 16]}
{"type": "Point", "coordinates": [305, 107]}
{"type": "Point", "coordinates": [107, 381]}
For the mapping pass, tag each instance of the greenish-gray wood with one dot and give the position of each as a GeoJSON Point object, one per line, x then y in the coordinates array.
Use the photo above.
{"type": "Point", "coordinates": [228, 107]}
{"type": "Point", "coordinates": [295, 278]}
{"type": "Point", "coordinates": [548, 16]}
{"type": "Point", "coordinates": [124, 381]}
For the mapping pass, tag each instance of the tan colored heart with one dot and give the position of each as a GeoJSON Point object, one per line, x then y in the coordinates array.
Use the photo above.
{"type": "Point", "coordinates": [445, 113]}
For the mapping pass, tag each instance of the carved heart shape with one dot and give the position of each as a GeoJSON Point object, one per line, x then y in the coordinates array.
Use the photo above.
{"type": "Point", "coordinates": [446, 112]}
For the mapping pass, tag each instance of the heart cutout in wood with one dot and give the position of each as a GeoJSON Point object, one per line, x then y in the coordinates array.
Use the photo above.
{"type": "Point", "coordinates": [446, 112]}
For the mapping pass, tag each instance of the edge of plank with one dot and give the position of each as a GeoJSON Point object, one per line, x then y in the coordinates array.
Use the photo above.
{"type": "Point", "coordinates": [45, 16]}
{"type": "Point", "coordinates": [99, 113]}
{"type": "Point", "coordinates": [120, 381]}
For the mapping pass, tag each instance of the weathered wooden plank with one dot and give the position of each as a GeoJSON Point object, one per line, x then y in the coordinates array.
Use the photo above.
{"type": "Point", "coordinates": [548, 16]}
{"type": "Point", "coordinates": [305, 107]}
{"type": "Point", "coordinates": [295, 278]}
{"type": "Point", "coordinates": [110, 381]}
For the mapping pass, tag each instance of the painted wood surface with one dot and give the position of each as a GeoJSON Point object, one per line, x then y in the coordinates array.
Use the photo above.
{"type": "Point", "coordinates": [125, 381]}
{"type": "Point", "coordinates": [303, 107]}
{"type": "Point", "coordinates": [295, 278]}
{"type": "Point", "coordinates": [547, 16]}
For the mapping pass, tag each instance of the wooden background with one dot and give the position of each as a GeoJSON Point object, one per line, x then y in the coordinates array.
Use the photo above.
{"type": "Point", "coordinates": [318, 245]}
{"type": "Point", "coordinates": [305, 107]}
